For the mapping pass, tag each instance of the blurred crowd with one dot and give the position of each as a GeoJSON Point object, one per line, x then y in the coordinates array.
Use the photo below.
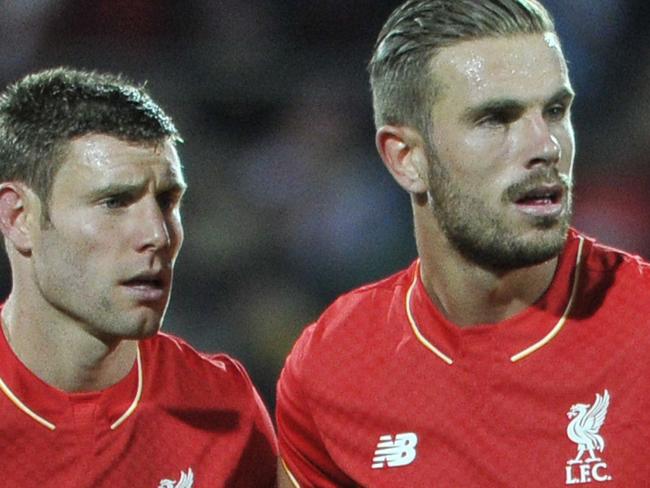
{"type": "Point", "coordinates": [288, 203]}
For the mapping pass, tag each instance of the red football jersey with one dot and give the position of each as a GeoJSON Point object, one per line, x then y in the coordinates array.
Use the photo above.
{"type": "Point", "coordinates": [384, 391]}
{"type": "Point", "coordinates": [180, 419]}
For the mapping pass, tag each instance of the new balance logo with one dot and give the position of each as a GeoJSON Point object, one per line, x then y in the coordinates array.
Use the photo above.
{"type": "Point", "coordinates": [396, 452]}
{"type": "Point", "coordinates": [185, 481]}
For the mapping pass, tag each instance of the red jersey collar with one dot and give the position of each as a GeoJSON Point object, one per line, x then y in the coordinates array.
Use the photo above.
{"type": "Point", "coordinates": [51, 407]}
{"type": "Point", "coordinates": [514, 338]}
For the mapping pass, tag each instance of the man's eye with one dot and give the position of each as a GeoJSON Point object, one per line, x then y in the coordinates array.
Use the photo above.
{"type": "Point", "coordinates": [115, 202]}
{"type": "Point", "coordinates": [167, 200]}
{"type": "Point", "coordinates": [556, 112]}
{"type": "Point", "coordinates": [496, 119]}
{"type": "Point", "coordinates": [492, 121]}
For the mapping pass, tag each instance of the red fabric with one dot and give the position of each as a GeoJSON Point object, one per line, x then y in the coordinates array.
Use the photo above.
{"type": "Point", "coordinates": [197, 412]}
{"type": "Point", "coordinates": [360, 372]}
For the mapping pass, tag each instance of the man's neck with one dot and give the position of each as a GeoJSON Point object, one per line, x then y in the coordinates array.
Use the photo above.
{"type": "Point", "coordinates": [469, 294]}
{"type": "Point", "coordinates": [61, 353]}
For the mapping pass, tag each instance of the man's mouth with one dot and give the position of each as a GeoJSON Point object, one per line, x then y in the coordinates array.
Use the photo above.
{"type": "Point", "coordinates": [541, 201]}
{"type": "Point", "coordinates": [148, 285]}
{"type": "Point", "coordinates": [145, 282]}
{"type": "Point", "coordinates": [545, 195]}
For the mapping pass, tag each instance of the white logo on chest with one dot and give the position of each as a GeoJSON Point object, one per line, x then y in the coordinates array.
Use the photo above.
{"type": "Point", "coordinates": [396, 452]}
{"type": "Point", "coordinates": [584, 429]}
{"type": "Point", "coordinates": [185, 481]}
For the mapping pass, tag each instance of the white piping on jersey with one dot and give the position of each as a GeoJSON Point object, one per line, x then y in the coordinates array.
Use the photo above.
{"type": "Point", "coordinates": [520, 355]}
{"type": "Point", "coordinates": [16, 401]}
{"type": "Point", "coordinates": [414, 325]}
{"type": "Point", "coordinates": [45, 423]}
{"type": "Point", "coordinates": [292, 478]}
{"type": "Point", "coordinates": [560, 323]}
{"type": "Point", "coordinates": [138, 393]}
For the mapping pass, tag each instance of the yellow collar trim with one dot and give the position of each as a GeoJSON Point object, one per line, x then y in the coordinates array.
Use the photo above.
{"type": "Point", "coordinates": [414, 325]}
{"type": "Point", "coordinates": [138, 393]}
{"type": "Point", "coordinates": [520, 355]}
{"type": "Point", "coordinates": [45, 423]}
{"type": "Point", "coordinates": [289, 474]}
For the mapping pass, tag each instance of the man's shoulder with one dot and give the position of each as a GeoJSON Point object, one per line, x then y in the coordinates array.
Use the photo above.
{"type": "Point", "coordinates": [369, 297]}
{"type": "Point", "coordinates": [602, 258]}
{"type": "Point", "coordinates": [362, 315]}
{"type": "Point", "coordinates": [614, 287]}
{"type": "Point", "coordinates": [172, 356]}
{"type": "Point", "coordinates": [172, 346]}
{"type": "Point", "coordinates": [365, 303]}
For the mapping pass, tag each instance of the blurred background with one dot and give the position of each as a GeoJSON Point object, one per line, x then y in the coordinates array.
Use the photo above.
{"type": "Point", "coordinates": [289, 204]}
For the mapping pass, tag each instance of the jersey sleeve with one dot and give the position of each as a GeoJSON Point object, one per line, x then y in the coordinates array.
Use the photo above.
{"type": "Point", "coordinates": [302, 449]}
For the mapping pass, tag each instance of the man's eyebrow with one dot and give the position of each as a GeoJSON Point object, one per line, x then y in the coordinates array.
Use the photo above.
{"type": "Point", "coordinates": [116, 189]}
{"type": "Point", "coordinates": [562, 95]}
{"type": "Point", "coordinates": [511, 105]}
{"type": "Point", "coordinates": [173, 181]}
{"type": "Point", "coordinates": [501, 105]}
{"type": "Point", "coordinates": [175, 186]}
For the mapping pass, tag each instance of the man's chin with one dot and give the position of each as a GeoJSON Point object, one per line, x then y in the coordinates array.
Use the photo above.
{"type": "Point", "coordinates": [537, 249]}
{"type": "Point", "coordinates": [146, 323]}
{"type": "Point", "coordinates": [508, 252]}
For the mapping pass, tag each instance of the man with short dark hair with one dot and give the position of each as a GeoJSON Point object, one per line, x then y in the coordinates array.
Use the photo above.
{"type": "Point", "coordinates": [92, 393]}
{"type": "Point", "coordinates": [513, 351]}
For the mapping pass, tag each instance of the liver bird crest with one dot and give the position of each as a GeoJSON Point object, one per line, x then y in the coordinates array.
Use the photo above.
{"type": "Point", "coordinates": [585, 427]}
{"type": "Point", "coordinates": [186, 481]}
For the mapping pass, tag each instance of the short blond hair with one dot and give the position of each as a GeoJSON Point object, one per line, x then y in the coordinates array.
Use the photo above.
{"type": "Point", "coordinates": [403, 85]}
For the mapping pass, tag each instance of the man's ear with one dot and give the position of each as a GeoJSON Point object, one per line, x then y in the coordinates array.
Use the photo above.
{"type": "Point", "coordinates": [15, 207]}
{"type": "Point", "coordinates": [402, 150]}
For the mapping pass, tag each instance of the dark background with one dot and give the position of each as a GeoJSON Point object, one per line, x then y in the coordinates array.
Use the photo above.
{"type": "Point", "coordinates": [289, 204]}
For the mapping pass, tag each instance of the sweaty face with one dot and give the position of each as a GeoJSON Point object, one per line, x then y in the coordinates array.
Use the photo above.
{"type": "Point", "coordinates": [501, 149]}
{"type": "Point", "coordinates": [106, 255]}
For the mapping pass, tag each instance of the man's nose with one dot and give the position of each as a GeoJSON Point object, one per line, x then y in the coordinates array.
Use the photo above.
{"type": "Point", "coordinates": [543, 145]}
{"type": "Point", "coordinates": [153, 227]}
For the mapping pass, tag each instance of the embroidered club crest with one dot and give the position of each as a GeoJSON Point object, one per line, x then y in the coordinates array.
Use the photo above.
{"type": "Point", "coordinates": [185, 481]}
{"type": "Point", "coordinates": [585, 422]}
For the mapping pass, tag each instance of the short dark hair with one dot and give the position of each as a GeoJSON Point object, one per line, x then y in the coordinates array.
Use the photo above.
{"type": "Point", "coordinates": [43, 111]}
{"type": "Point", "coordinates": [403, 85]}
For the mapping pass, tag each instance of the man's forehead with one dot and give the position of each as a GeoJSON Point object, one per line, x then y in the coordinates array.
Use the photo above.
{"type": "Point", "coordinates": [102, 152]}
{"type": "Point", "coordinates": [517, 63]}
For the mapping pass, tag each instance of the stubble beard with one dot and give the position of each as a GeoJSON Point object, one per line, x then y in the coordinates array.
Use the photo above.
{"type": "Point", "coordinates": [483, 235]}
{"type": "Point", "coordinates": [83, 300]}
